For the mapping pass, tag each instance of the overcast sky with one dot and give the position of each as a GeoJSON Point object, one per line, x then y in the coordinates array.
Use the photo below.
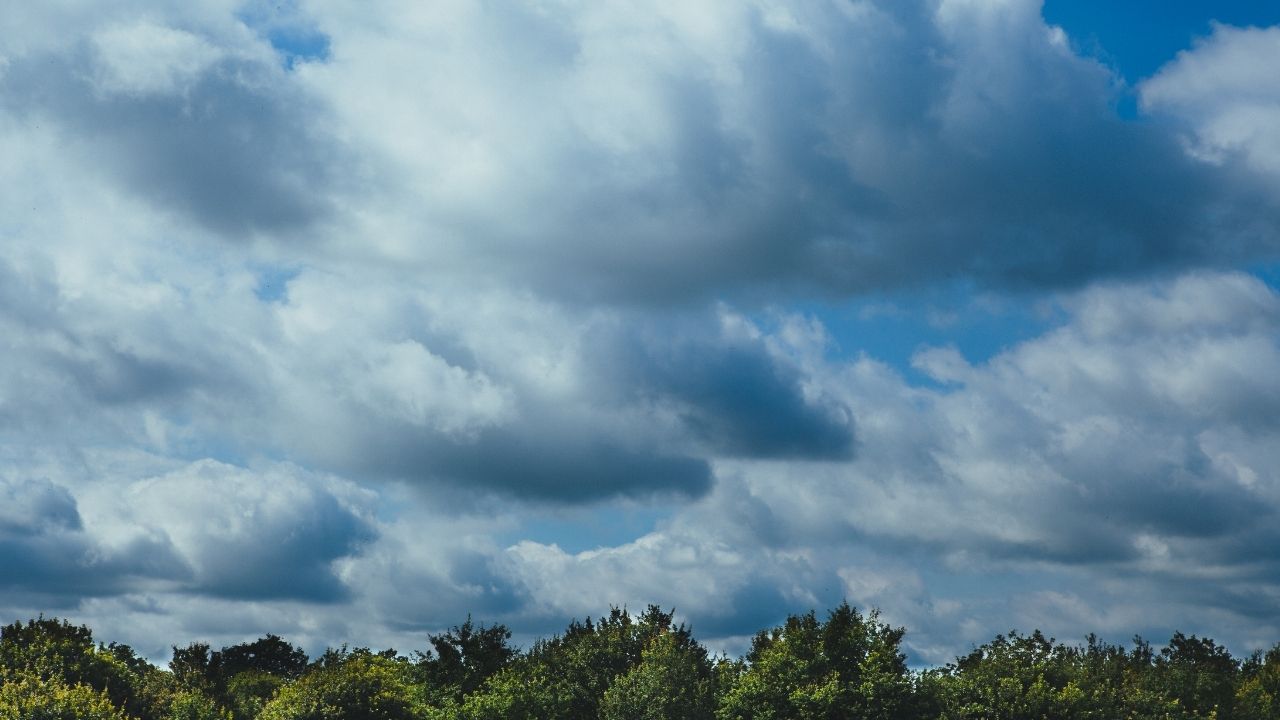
{"type": "Point", "coordinates": [343, 319]}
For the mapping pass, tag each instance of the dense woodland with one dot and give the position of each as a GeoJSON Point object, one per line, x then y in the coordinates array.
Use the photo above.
{"type": "Point", "coordinates": [846, 665]}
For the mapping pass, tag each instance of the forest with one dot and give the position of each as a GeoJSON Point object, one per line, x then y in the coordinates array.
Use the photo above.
{"type": "Point", "coordinates": [844, 665]}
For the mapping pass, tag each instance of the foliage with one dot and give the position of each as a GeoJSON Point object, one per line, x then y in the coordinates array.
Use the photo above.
{"type": "Point", "coordinates": [363, 686]}
{"type": "Point", "coordinates": [194, 705]}
{"type": "Point", "coordinates": [569, 675]}
{"type": "Point", "coordinates": [64, 655]}
{"type": "Point", "coordinates": [673, 681]}
{"type": "Point", "coordinates": [29, 696]}
{"type": "Point", "coordinates": [1259, 693]}
{"type": "Point", "coordinates": [848, 666]}
{"type": "Point", "coordinates": [851, 666]}
{"type": "Point", "coordinates": [465, 657]}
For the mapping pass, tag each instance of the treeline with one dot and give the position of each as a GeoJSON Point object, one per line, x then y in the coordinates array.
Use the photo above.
{"type": "Point", "coordinates": [845, 666]}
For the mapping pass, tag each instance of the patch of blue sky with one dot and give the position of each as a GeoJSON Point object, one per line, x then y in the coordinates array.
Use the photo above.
{"type": "Point", "coordinates": [298, 45]}
{"type": "Point", "coordinates": [291, 35]}
{"type": "Point", "coordinates": [273, 283]}
{"type": "Point", "coordinates": [893, 328]}
{"type": "Point", "coordinates": [1137, 38]}
{"type": "Point", "coordinates": [1267, 272]}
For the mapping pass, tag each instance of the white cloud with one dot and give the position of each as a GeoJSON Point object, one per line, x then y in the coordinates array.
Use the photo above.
{"type": "Point", "coordinates": [1225, 91]}
{"type": "Point", "coordinates": [146, 58]}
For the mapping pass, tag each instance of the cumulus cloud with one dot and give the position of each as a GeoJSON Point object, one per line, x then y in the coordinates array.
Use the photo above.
{"type": "Point", "coordinates": [48, 558]}
{"type": "Point", "coordinates": [604, 150]}
{"type": "Point", "coordinates": [255, 534]}
{"type": "Point", "coordinates": [1223, 93]}
{"type": "Point", "coordinates": [1134, 442]}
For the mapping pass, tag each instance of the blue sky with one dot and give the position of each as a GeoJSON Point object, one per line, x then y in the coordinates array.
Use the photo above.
{"type": "Point", "coordinates": [1138, 38]}
{"type": "Point", "coordinates": [344, 320]}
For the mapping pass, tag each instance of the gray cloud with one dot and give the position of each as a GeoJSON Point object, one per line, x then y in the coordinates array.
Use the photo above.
{"type": "Point", "coordinates": [937, 141]}
{"type": "Point", "coordinates": [1054, 474]}
{"type": "Point", "coordinates": [219, 134]}
{"type": "Point", "coordinates": [46, 553]}
{"type": "Point", "coordinates": [730, 392]}
{"type": "Point", "coordinates": [273, 533]}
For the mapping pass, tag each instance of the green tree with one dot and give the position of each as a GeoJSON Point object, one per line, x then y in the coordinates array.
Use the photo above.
{"type": "Point", "coordinates": [1258, 696]}
{"type": "Point", "coordinates": [363, 686]}
{"type": "Point", "coordinates": [851, 666]}
{"type": "Point", "coordinates": [249, 692]}
{"type": "Point", "coordinates": [1014, 677]}
{"type": "Point", "coordinates": [268, 655]}
{"type": "Point", "coordinates": [26, 695]}
{"type": "Point", "coordinates": [195, 705]}
{"type": "Point", "coordinates": [567, 676]}
{"type": "Point", "coordinates": [192, 667]}
{"type": "Point", "coordinates": [465, 657]}
{"type": "Point", "coordinates": [65, 655]}
{"type": "Point", "coordinates": [674, 681]}
{"type": "Point", "coordinates": [1199, 674]}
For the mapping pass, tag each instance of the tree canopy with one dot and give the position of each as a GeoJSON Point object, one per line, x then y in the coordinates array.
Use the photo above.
{"type": "Point", "coordinates": [847, 665]}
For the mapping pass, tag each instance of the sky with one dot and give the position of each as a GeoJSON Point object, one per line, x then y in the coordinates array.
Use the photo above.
{"type": "Point", "coordinates": [344, 320]}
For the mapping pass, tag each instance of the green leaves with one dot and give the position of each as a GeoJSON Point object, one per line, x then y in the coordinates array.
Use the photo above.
{"type": "Point", "coordinates": [851, 666]}
{"type": "Point", "coordinates": [29, 696]}
{"type": "Point", "coordinates": [364, 686]}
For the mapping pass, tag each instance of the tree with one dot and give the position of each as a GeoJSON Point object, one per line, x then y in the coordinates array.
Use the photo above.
{"type": "Point", "coordinates": [27, 695]}
{"type": "Point", "coordinates": [674, 681]}
{"type": "Point", "coordinates": [851, 666]}
{"type": "Point", "coordinates": [1258, 696]}
{"type": "Point", "coordinates": [1011, 678]}
{"type": "Point", "coordinates": [249, 691]}
{"type": "Point", "coordinates": [465, 657]}
{"type": "Point", "coordinates": [194, 705]}
{"type": "Point", "coordinates": [270, 655]}
{"type": "Point", "coordinates": [64, 655]}
{"type": "Point", "coordinates": [567, 676]}
{"type": "Point", "coordinates": [192, 667]}
{"type": "Point", "coordinates": [1200, 674]}
{"type": "Point", "coordinates": [364, 686]}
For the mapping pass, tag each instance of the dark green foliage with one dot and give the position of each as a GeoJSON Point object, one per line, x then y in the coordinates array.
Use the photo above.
{"type": "Point", "coordinates": [192, 667]}
{"type": "Point", "coordinates": [269, 655]}
{"type": "Point", "coordinates": [239, 679]}
{"type": "Point", "coordinates": [1199, 674]}
{"type": "Point", "coordinates": [465, 657]}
